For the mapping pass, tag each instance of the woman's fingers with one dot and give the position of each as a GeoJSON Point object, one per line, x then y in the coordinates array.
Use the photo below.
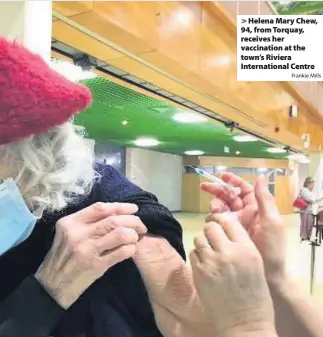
{"type": "Point", "coordinates": [218, 205]}
{"type": "Point", "coordinates": [112, 222]}
{"type": "Point", "coordinates": [101, 210]}
{"type": "Point", "coordinates": [265, 200]}
{"type": "Point", "coordinates": [117, 255]}
{"type": "Point", "coordinates": [223, 200]}
{"type": "Point", "coordinates": [220, 191]}
{"type": "Point", "coordinates": [232, 227]}
{"type": "Point", "coordinates": [118, 237]}
{"type": "Point", "coordinates": [216, 190]}
{"type": "Point", "coordinates": [202, 247]}
{"type": "Point", "coordinates": [236, 181]}
{"type": "Point", "coordinates": [216, 236]}
{"type": "Point", "coordinates": [196, 262]}
{"type": "Point", "coordinates": [213, 239]}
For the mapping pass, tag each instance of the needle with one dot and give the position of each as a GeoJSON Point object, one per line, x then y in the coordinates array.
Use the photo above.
{"type": "Point", "coordinates": [231, 189]}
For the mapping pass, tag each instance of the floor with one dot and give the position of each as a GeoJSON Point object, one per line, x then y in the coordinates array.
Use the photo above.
{"type": "Point", "coordinates": [299, 254]}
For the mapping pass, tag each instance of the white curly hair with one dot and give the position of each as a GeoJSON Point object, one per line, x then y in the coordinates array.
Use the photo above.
{"type": "Point", "coordinates": [52, 169]}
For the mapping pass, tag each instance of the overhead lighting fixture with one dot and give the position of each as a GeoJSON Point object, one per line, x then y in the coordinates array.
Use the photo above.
{"type": "Point", "coordinates": [302, 159]}
{"type": "Point", "coordinates": [194, 153]}
{"type": "Point", "coordinates": [293, 111]}
{"type": "Point", "coordinates": [238, 152]}
{"type": "Point", "coordinates": [220, 60]}
{"type": "Point", "coordinates": [71, 71]}
{"type": "Point", "coordinates": [189, 117]}
{"type": "Point", "coordinates": [146, 142]}
{"type": "Point", "coordinates": [244, 138]}
{"type": "Point", "coordinates": [276, 150]}
{"type": "Point", "coordinates": [224, 60]}
{"type": "Point", "coordinates": [221, 168]}
{"type": "Point", "coordinates": [124, 122]}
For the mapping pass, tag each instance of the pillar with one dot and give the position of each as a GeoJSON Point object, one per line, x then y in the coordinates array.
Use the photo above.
{"type": "Point", "coordinates": [316, 172]}
{"type": "Point", "coordinates": [29, 22]}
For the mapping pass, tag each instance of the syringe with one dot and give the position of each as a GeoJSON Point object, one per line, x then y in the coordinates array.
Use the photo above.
{"type": "Point", "coordinates": [231, 189]}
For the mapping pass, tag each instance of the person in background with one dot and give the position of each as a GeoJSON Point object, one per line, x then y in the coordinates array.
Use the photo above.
{"type": "Point", "coordinates": [230, 263]}
{"type": "Point", "coordinates": [307, 218]}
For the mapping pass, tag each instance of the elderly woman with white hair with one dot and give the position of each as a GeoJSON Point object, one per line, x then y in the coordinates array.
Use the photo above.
{"type": "Point", "coordinates": [69, 227]}
{"type": "Point", "coordinates": [85, 253]}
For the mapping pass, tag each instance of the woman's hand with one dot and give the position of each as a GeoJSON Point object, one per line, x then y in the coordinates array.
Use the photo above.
{"type": "Point", "coordinates": [86, 244]}
{"type": "Point", "coordinates": [229, 277]}
{"type": "Point", "coordinates": [169, 283]}
{"type": "Point", "coordinates": [257, 211]}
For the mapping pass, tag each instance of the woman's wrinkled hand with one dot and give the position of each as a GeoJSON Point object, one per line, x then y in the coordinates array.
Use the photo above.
{"type": "Point", "coordinates": [256, 209]}
{"type": "Point", "coordinates": [86, 245]}
{"type": "Point", "coordinates": [229, 276]}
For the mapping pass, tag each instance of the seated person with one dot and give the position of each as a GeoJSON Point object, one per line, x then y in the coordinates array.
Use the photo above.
{"type": "Point", "coordinates": [69, 228]}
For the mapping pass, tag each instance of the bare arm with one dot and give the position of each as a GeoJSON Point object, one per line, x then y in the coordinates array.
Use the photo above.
{"type": "Point", "coordinates": [170, 287]}
{"type": "Point", "coordinates": [295, 312]}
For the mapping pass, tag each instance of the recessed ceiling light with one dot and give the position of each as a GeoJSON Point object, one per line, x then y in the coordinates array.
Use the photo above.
{"type": "Point", "coordinates": [194, 153]}
{"type": "Point", "coordinates": [219, 60]}
{"type": "Point", "coordinates": [189, 117]}
{"type": "Point", "coordinates": [146, 142]}
{"type": "Point", "coordinates": [244, 138]}
{"type": "Point", "coordinates": [182, 17]}
{"type": "Point", "coordinates": [124, 122]}
{"type": "Point", "coordinates": [276, 150]}
{"type": "Point", "coordinates": [221, 168]}
{"type": "Point", "coordinates": [238, 152]}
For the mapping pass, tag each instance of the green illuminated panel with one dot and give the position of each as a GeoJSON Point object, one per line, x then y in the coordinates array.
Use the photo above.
{"type": "Point", "coordinates": [113, 104]}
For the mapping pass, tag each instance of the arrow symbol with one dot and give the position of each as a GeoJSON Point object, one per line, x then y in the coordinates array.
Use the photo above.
{"type": "Point", "coordinates": [244, 20]}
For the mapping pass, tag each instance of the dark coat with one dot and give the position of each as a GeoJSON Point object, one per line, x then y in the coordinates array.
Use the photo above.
{"type": "Point", "coordinates": [117, 305]}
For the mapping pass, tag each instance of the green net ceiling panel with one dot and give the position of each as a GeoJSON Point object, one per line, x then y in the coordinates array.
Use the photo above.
{"type": "Point", "coordinates": [145, 117]}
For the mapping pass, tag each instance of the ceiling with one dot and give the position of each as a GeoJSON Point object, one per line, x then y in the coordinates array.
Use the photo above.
{"type": "Point", "coordinates": [148, 117]}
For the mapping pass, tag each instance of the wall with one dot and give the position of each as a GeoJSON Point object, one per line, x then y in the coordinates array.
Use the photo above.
{"type": "Point", "coordinates": [315, 169]}
{"type": "Point", "coordinates": [111, 154]}
{"type": "Point", "coordinates": [303, 172]}
{"type": "Point", "coordinates": [158, 173]}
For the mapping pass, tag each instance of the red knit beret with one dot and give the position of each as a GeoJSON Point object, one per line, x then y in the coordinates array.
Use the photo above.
{"type": "Point", "coordinates": [33, 97]}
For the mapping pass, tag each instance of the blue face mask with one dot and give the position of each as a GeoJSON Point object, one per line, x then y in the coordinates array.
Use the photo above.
{"type": "Point", "coordinates": [16, 220]}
